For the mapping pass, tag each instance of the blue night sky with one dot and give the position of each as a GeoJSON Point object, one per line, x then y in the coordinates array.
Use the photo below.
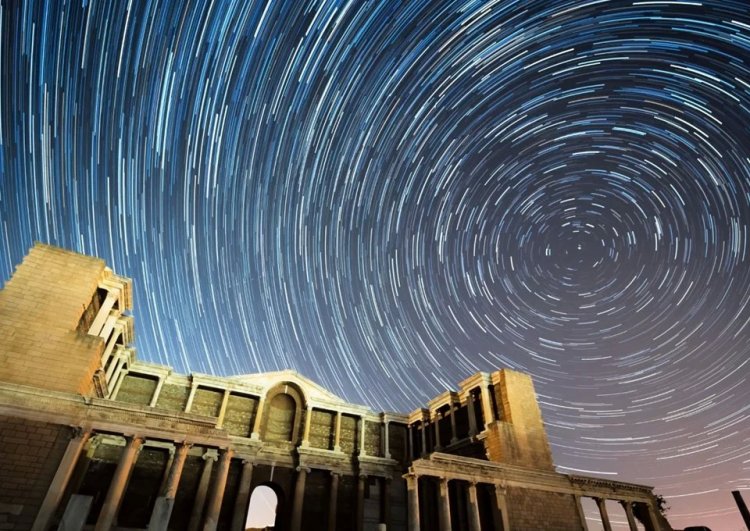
{"type": "Point", "coordinates": [390, 196]}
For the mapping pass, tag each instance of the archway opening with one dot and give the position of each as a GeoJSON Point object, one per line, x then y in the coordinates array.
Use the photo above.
{"type": "Point", "coordinates": [261, 512]}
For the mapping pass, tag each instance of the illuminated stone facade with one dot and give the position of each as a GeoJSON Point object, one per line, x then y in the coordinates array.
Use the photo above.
{"type": "Point", "coordinates": [92, 438]}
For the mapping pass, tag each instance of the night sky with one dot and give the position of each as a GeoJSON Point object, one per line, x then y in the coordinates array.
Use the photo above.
{"type": "Point", "coordinates": [390, 196]}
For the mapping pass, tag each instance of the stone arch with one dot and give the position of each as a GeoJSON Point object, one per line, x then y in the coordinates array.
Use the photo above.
{"type": "Point", "coordinates": [258, 505]}
{"type": "Point", "coordinates": [282, 422]}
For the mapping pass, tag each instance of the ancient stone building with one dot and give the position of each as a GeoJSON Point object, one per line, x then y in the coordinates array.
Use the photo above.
{"type": "Point", "coordinates": [92, 438]}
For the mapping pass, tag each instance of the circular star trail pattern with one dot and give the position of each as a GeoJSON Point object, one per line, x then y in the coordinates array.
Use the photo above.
{"type": "Point", "coordinates": [391, 196]}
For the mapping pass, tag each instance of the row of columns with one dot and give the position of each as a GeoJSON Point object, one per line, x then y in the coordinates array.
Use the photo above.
{"type": "Point", "coordinates": [432, 419]}
{"type": "Point", "coordinates": [444, 510]}
{"type": "Point", "coordinates": [601, 504]}
{"type": "Point", "coordinates": [206, 504]}
{"type": "Point", "coordinates": [299, 493]}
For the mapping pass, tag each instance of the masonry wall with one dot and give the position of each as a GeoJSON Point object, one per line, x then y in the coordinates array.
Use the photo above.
{"type": "Point", "coordinates": [531, 510]}
{"type": "Point", "coordinates": [29, 452]}
{"type": "Point", "coordinates": [519, 438]}
{"type": "Point", "coordinates": [40, 309]}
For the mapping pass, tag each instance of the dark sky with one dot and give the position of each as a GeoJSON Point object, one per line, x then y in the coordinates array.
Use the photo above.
{"type": "Point", "coordinates": [390, 196]}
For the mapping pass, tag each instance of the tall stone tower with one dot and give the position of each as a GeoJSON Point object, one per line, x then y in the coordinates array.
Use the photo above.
{"type": "Point", "coordinates": [61, 317]}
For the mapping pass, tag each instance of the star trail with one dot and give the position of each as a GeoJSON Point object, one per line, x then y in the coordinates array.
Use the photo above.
{"type": "Point", "coordinates": [388, 197]}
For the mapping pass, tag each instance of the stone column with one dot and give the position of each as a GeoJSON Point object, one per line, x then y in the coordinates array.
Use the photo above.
{"type": "Point", "coordinates": [601, 503]}
{"type": "Point", "coordinates": [223, 409]}
{"type": "Point", "coordinates": [308, 421]}
{"type": "Point", "coordinates": [444, 511]}
{"type": "Point", "coordinates": [333, 501]}
{"type": "Point", "coordinates": [239, 516]}
{"type": "Point", "coordinates": [652, 518]}
{"type": "Point", "coordinates": [258, 416]}
{"type": "Point", "coordinates": [191, 397]}
{"type": "Point", "coordinates": [489, 416]}
{"type": "Point", "coordinates": [387, 446]}
{"type": "Point", "coordinates": [167, 468]}
{"type": "Point", "coordinates": [157, 391]}
{"type": "Point", "coordinates": [412, 487]}
{"type": "Point", "coordinates": [217, 494]}
{"type": "Point", "coordinates": [362, 435]}
{"type": "Point", "coordinates": [386, 515]}
{"type": "Point", "coordinates": [101, 317]}
{"type": "Point", "coordinates": [411, 441]}
{"type": "Point", "coordinates": [299, 498]}
{"type": "Point", "coordinates": [114, 368]}
{"type": "Point", "coordinates": [581, 514]}
{"type": "Point", "coordinates": [474, 523]}
{"type": "Point", "coordinates": [502, 508]}
{"type": "Point", "coordinates": [472, 414]}
{"type": "Point", "coordinates": [360, 502]}
{"type": "Point", "coordinates": [337, 433]}
{"type": "Point", "coordinates": [120, 378]}
{"type": "Point", "coordinates": [60, 480]}
{"type": "Point", "coordinates": [424, 437]}
{"type": "Point", "coordinates": [169, 489]}
{"type": "Point", "coordinates": [200, 496]}
{"type": "Point", "coordinates": [117, 487]}
{"type": "Point", "coordinates": [629, 514]}
{"type": "Point", "coordinates": [436, 417]}
{"type": "Point", "coordinates": [454, 438]}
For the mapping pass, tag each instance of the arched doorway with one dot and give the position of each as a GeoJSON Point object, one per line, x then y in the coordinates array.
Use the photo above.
{"type": "Point", "coordinates": [266, 502]}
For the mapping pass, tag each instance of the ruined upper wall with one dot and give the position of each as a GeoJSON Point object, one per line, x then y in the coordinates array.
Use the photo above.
{"type": "Point", "coordinates": [41, 306]}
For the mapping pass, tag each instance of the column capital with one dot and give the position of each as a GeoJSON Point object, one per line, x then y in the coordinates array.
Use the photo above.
{"type": "Point", "coordinates": [305, 469]}
{"type": "Point", "coordinates": [211, 454]}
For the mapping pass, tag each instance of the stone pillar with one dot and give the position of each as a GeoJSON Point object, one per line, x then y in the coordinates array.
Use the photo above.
{"type": "Point", "coordinates": [258, 416]}
{"type": "Point", "coordinates": [385, 518]}
{"type": "Point", "coordinates": [472, 414]}
{"type": "Point", "coordinates": [629, 514]}
{"type": "Point", "coordinates": [652, 518]}
{"type": "Point", "coordinates": [223, 409]}
{"type": "Point", "coordinates": [157, 391]}
{"type": "Point", "coordinates": [424, 437]}
{"type": "Point", "coordinates": [200, 496]}
{"type": "Point", "coordinates": [581, 514]}
{"type": "Point", "coordinates": [412, 487]}
{"type": "Point", "coordinates": [114, 368]}
{"type": "Point", "coordinates": [489, 416]}
{"type": "Point", "coordinates": [502, 508]}
{"type": "Point", "coordinates": [444, 511]}
{"type": "Point", "coordinates": [113, 499]}
{"type": "Point", "coordinates": [60, 480]}
{"type": "Point", "coordinates": [167, 468]}
{"type": "Point", "coordinates": [361, 435]}
{"type": "Point", "coordinates": [333, 501]}
{"type": "Point", "coordinates": [308, 422]}
{"type": "Point", "coordinates": [386, 446]}
{"type": "Point", "coordinates": [360, 502]}
{"type": "Point", "coordinates": [410, 429]}
{"type": "Point", "coordinates": [454, 437]}
{"type": "Point", "coordinates": [101, 317]}
{"type": "Point", "coordinates": [601, 503]}
{"type": "Point", "coordinates": [217, 494]}
{"type": "Point", "coordinates": [120, 378]}
{"type": "Point", "coordinates": [299, 498]}
{"type": "Point", "coordinates": [337, 433]}
{"type": "Point", "coordinates": [239, 516]}
{"type": "Point", "coordinates": [474, 523]}
{"type": "Point", "coordinates": [191, 397]}
{"type": "Point", "coordinates": [436, 417]}
{"type": "Point", "coordinates": [169, 489]}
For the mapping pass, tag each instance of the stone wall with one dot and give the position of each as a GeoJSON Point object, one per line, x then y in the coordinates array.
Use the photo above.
{"type": "Point", "coordinates": [531, 510]}
{"type": "Point", "coordinates": [30, 453]}
{"type": "Point", "coordinates": [40, 309]}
